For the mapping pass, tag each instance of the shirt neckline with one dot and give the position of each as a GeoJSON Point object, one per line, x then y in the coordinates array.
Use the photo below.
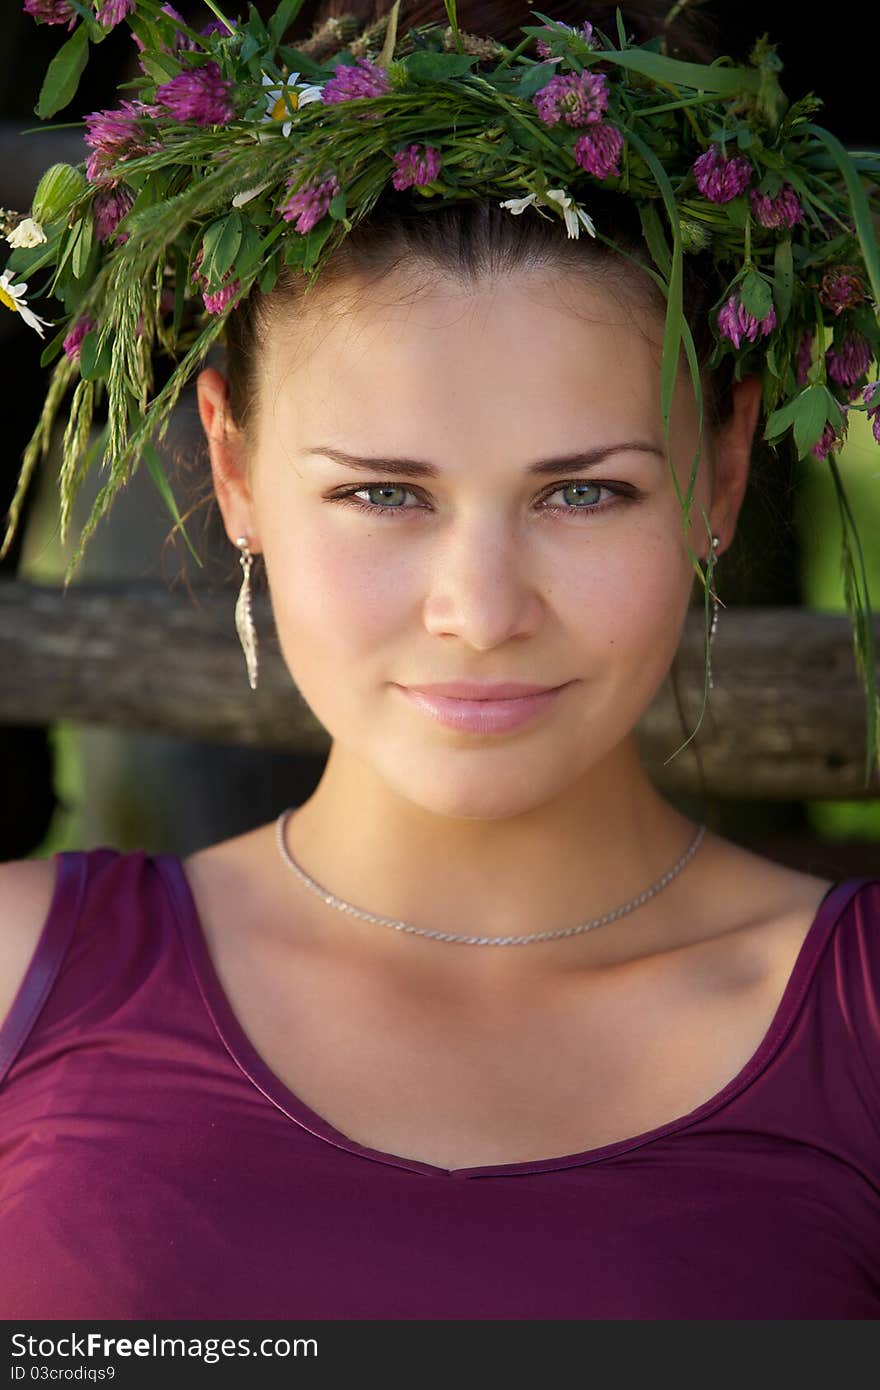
{"type": "Point", "coordinates": [249, 1061]}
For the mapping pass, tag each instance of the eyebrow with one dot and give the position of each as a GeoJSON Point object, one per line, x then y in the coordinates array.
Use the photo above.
{"type": "Point", "coordinates": [562, 463]}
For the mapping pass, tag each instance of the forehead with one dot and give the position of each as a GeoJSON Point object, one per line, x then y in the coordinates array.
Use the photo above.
{"type": "Point", "coordinates": [509, 352]}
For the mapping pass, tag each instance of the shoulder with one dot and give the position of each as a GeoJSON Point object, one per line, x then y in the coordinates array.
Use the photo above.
{"type": "Point", "coordinates": [747, 916]}
{"type": "Point", "coordinates": [26, 888]}
{"type": "Point", "coordinates": [755, 913]}
{"type": "Point", "coordinates": [736, 891]}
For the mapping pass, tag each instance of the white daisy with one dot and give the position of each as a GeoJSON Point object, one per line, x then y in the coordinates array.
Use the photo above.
{"type": "Point", "coordinates": [573, 214]}
{"type": "Point", "coordinates": [27, 233]}
{"type": "Point", "coordinates": [284, 97]}
{"type": "Point", "coordinates": [13, 297]}
{"type": "Point", "coordinates": [518, 205]}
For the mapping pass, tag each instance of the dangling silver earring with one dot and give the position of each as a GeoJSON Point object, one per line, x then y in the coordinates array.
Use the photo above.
{"type": "Point", "coordinates": [244, 618]}
{"type": "Point", "coordinates": [715, 603]}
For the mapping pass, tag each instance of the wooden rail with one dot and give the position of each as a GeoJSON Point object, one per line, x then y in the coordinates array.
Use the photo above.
{"type": "Point", "coordinates": [786, 718]}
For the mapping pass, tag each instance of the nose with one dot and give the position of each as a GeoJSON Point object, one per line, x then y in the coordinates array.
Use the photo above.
{"type": "Point", "coordinates": [480, 588]}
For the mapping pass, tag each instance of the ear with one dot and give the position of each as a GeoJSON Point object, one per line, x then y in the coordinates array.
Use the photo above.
{"type": "Point", "coordinates": [733, 443]}
{"type": "Point", "coordinates": [226, 447]}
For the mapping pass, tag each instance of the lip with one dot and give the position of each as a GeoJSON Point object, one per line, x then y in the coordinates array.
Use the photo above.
{"type": "Point", "coordinates": [483, 716]}
{"type": "Point", "coordinates": [481, 690]}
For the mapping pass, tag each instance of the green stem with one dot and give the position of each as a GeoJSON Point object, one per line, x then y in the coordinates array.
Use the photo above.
{"type": "Point", "coordinates": [861, 616]}
{"type": "Point", "coordinates": [215, 10]}
{"type": "Point", "coordinates": [452, 16]}
{"type": "Point", "coordinates": [675, 105]}
{"type": "Point", "coordinates": [674, 13]}
{"type": "Point", "coordinates": [671, 87]}
{"type": "Point", "coordinates": [515, 52]}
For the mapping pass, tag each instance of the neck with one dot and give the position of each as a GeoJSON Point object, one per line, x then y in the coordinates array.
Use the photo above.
{"type": "Point", "coordinates": [602, 843]}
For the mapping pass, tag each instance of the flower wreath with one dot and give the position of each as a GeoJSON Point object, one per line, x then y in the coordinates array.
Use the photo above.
{"type": "Point", "coordinates": [237, 152]}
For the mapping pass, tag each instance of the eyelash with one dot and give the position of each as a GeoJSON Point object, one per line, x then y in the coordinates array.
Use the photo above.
{"type": "Point", "coordinates": [622, 493]}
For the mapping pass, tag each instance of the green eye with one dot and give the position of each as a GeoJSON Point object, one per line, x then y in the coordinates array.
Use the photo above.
{"type": "Point", "coordinates": [618, 493]}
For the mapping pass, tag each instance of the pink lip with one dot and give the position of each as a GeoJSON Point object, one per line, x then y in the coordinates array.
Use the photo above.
{"type": "Point", "coordinates": [476, 690]}
{"type": "Point", "coordinates": [483, 716]}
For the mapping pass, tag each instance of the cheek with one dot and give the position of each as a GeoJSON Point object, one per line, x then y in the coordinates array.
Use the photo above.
{"type": "Point", "coordinates": [337, 599]}
{"type": "Point", "coordinates": [632, 586]}
{"type": "Point", "coordinates": [632, 613]}
{"type": "Point", "coordinates": [623, 622]}
{"type": "Point", "coordinates": [633, 606]}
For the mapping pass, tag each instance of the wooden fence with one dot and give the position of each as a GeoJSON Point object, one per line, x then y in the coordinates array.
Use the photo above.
{"type": "Point", "coordinates": [786, 717]}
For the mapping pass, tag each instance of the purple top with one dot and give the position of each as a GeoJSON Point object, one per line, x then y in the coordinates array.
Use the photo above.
{"type": "Point", "coordinates": [153, 1167]}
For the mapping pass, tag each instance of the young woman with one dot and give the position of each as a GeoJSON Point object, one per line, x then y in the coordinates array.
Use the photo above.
{"type": "Point", "coordinates": [232, 1088]}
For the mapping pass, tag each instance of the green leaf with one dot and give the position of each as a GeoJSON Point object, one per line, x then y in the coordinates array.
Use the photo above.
{"type": "Point", "coordinates": [153, 461]}
{"type": "Point", "coordinates": [781, 419]}
{"type": "Point", "coordinates": [314, 241]}
{"type": "Point", "coordinates": [451, 9]}
{"type": "Point", "coordinates": [858, 602]}
{"type": "Point", "coordinates": [63, 74]}
{"type": "Point", "coordinates": [435, 67]}
{"type": "Point", "coordinates": [656, 239]}
{"type": "Point", "coordinates": [250, 249]}
{"type": "Point", "coordinates": [179, 290]}
{"type": "Point", "coordinates": [738, 211]}
{"type": "Point", "coordinates": [254, 249]}
{"type": "Point", "coordinates": [783, 278]}
{"type": "Point", "coordinates": [159, 68]}
{"type": "Point", "coordinates": [94, 364]}
{"type": "Point", "coordinates": [283, 18]}
{"type": "Point", "coordinates": [220, 245]}
{"type": "Point", "coordinates": [772, 159]}
{"type": "Point", "coordinates": [858, 202]}
{"type": "Point", "coordinates": [723, 81]}
{"type": "Point", "coordinates": [256, 26]}
{"type": "Point", "coordinates": [526, 136]}
{"type": "Point", "coordinates": [295, 61]}
{"type": "Point", "coordinates": [66, 248]}
{"type": "Point", "coordinates": [834, 412]}
{"type": "Point", "coordinates": [672, 331]}
{"type": "Point", "coordinates": [755, 295]}
{"type": "Point", "coordinates": [57, 190]}
{"type": "Point", "coordinates": [532, 80]}
{"type": "Point", "coordinates": [336, 206]}
{"type": "Point", "coordinates": [52, 349]}
{"type": "Point", "coordinates": [295, 251]}
{"type": "Point", "coordinates": [672, 334]}
{"type": "Point", "coordinates": [82, 249]}
{"type": "Point", "coordinates": [269, 276]}
{"type": "Point", "coordinates": [810, 417]}
{"type": "Point", "coordinates": [770, 184]}
{"type": "Point", "coordinates": [141, 28]}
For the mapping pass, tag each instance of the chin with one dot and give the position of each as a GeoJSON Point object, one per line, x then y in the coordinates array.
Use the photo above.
{"type": "Point", "coordinates": [475, 794]}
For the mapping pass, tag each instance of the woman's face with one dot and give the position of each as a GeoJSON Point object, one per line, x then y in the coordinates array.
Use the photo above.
{"type": "Point", "coordinates": [486, 571]}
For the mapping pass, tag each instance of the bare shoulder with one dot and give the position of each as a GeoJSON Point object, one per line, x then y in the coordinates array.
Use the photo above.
{"type": "Point", "coordinates": [227, 880]}
{"type": "Point", "coordinates": [762, 890]}
{"type": "Point", "coordinates": [762, 911]}
{"type": "Point", "coordinates": [26, 888]}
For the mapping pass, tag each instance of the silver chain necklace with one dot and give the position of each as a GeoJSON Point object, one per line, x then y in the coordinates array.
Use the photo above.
{"type": "Point", "coordinates": [478, 940]}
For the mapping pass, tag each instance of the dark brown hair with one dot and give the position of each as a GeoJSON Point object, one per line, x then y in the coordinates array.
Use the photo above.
{"type": "Point", "coordinates": [475, 238]}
